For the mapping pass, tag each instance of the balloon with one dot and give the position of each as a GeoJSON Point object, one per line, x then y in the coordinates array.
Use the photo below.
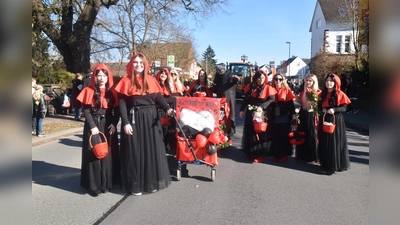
{"type": "Point", "coordinates": [201, 140]}
{"type": "Point", "coordinates": [206, 132]}
{"type": "Point", "coordinates": [212, 149]}
{"type": "Point", "coordinates": [214, 137]}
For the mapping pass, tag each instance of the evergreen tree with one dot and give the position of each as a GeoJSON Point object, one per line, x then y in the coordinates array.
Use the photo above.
{"type": "Point", "coordinates": [209, 62]}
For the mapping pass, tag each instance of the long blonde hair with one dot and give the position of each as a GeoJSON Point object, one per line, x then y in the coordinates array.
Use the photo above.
{"type": "Point", "coordinates": [177, 82]}
{"type": "Point", "coordinates": [314, 78]}
{"type": "Point", "coordinates": [38, 92]}
{"type": "Point", "coordinates": [284, 83]}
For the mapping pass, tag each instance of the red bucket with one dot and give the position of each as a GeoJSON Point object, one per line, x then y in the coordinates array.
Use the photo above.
{"type": "Point", "coordinates": [328, 127]}
{"type": "Point", "coordinates": [260, 126]}
{"type": "Point", "coordinates": [164, 120]}
{"type": "Point", "coordinates": [200, 94]}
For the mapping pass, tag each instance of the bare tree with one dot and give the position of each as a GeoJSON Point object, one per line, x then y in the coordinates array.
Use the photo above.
{"type": "Point", "coordinates": [127, 26]}
{"type": "Point", "coordinates": [349, 17]}
{"type": "Point", "coordinates": [70, 35]}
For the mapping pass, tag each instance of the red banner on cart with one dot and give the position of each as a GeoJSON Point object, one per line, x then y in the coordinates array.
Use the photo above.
{"type": "Point", "coordinates": [198, 104]}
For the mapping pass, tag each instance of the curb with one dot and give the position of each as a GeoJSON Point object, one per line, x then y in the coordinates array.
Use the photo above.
{"type": "Point", "coordinates": [56, 136]}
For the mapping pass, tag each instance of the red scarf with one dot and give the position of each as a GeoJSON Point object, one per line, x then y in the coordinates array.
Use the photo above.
{"type": "Point", "coordinates": [284, 95]}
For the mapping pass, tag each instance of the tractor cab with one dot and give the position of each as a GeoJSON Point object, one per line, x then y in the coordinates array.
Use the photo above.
{"type": "Point", "coordinates": [245, 72]}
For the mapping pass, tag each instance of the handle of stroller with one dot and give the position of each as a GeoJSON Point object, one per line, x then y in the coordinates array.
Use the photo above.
{"type": "Point", "coordinates": [184, 136]}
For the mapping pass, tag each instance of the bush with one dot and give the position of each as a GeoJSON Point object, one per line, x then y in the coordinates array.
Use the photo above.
{"type": "Point", "coordinates": [61, 77]}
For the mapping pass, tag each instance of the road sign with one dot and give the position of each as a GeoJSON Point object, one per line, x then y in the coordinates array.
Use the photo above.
{"type": "Point", "coordinates": [171, 60]}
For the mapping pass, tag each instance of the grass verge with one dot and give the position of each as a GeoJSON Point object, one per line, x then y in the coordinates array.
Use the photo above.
{"type": "Point", "coordinates": [54, 127]}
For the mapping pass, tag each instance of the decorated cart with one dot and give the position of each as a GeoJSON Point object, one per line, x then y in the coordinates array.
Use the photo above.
{"type": "Point", "coordinates": [200, 123]}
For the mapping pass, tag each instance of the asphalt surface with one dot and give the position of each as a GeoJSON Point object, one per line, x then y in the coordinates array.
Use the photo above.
{"type": "Point", "coordinates": [243, 193]}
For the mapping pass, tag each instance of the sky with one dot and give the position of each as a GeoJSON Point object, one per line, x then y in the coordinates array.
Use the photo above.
{"type": "Point", "coordinates": [258, 29]}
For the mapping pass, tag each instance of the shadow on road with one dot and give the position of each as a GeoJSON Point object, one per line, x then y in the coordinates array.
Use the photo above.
{"type": "Point", "coordinates": [70, 142]}
{"type": "Point", "coordinates": [62, 177]}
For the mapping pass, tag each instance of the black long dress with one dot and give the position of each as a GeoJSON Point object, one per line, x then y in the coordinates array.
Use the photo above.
{"type": "Point", "coordinates": [225, 88]}
{"type": "Point", "coordinates": [332, 148]}
{"type": "Point", "coordinates": [307, 151]}
{"type": "Point", "coordinates": [143, 158]}
{"type": "Point", "coordinates": [252, 146]}
{"type": "Point", "coordinates": [282, 112]}
{"type": "Point", "coordinates": [100, 175]}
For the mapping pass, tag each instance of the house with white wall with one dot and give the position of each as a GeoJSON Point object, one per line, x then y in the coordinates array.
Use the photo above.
{"type": "Point", "coordinates": [331, 29]}
{"type": "Point", "coordinates": [294, 67]}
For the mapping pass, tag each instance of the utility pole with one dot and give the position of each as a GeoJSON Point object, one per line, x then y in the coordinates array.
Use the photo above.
{"type": "Point", "coordinates": [288, 42]}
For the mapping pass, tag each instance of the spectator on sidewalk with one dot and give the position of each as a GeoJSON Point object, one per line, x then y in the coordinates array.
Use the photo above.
{"type": "Point", "coordinates": [88, 78]}
{"type": "Point", "coordinates": [33, 117]}
{"type": "Point", "coordinates": [351, 92]}
{"type": "Point", "coordinates": [100, 105]}
{"type": "Point", "coordinates": [77, 87]}
{"type": "Point", "coordinates": [332, 147]}
{"type": "Point", "coordinates": [343, 80]}
{"type": "Point", "coordinates": [39, 110]}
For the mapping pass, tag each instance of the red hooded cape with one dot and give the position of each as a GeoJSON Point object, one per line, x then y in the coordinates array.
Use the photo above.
{"type": "Point", "coordinates": [341, 97]}
{"type": "Point", "coordinates": [124, 86]}
{"type": "Point", "coordinates": [165, 90]}
{"type": "Point", "coordinates": [86, 96]}
{"type": "Point", "coordinates": [284, 95]}
{"type": "Point", "coordinates": [266, 92]}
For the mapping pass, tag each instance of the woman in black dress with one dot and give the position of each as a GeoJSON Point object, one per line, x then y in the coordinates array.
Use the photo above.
{"type": "Point", "coordinates": [332, 147]}
{"type": "Point", "coordinates": [100, 106]}
{"type": "Point", "coordinates": [307, 152]}
{"type": "Point", "coordinates": [143, 157]}
{"type": "Point", "coordinates": [260, 94]}
{"type": "Point", "coordinates": [283, 112]}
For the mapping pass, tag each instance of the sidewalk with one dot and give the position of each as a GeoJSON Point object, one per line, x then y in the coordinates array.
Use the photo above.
{"type": "Point", "coordinates": [359, 121]}
{"type": "Point", "coordinates": [58, 134]}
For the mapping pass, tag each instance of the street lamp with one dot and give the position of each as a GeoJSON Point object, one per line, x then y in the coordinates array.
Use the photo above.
{"type": "Point", "coordinates": [288, 42]}
{"type": "Point", "coordinates": [243, 58]}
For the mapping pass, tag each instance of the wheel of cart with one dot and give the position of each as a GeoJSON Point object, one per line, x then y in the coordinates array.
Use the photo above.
{"type": "Point", "coordinates": [179, 171]}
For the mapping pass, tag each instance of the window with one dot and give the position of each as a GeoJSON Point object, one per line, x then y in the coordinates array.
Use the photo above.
{"type": "Point", "coordinates": [347, 43]}
{"type": "Point", "coordinates": [318, 23]}
{"type": "Point", "coordinates": [338, 43]}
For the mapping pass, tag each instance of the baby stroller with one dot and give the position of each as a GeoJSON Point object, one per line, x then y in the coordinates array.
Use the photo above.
{"type": "Point", "coordinates": [190, 148]}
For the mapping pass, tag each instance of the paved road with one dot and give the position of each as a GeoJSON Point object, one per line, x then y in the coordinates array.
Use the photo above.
{"type": "Point", "coordinates": [243, 193]}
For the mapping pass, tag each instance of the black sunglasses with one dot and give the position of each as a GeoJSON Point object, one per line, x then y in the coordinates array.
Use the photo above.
{"type": "Point", "coordinates": [276, 79]}
{"type": "Point", "coordinates": [174, 74]}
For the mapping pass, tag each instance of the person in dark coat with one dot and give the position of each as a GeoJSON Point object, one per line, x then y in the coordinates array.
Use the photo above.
{"type": "Point", "coordinates": [224, 87]}
{"type": "Point", "coordinates": [351, 92]}
{"type": "Point", "coordinates": [86, 80]}
{"type": "Point", "coordinates": [39, 110]}
{"type": "Point", "coordinates": [77, 86]}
